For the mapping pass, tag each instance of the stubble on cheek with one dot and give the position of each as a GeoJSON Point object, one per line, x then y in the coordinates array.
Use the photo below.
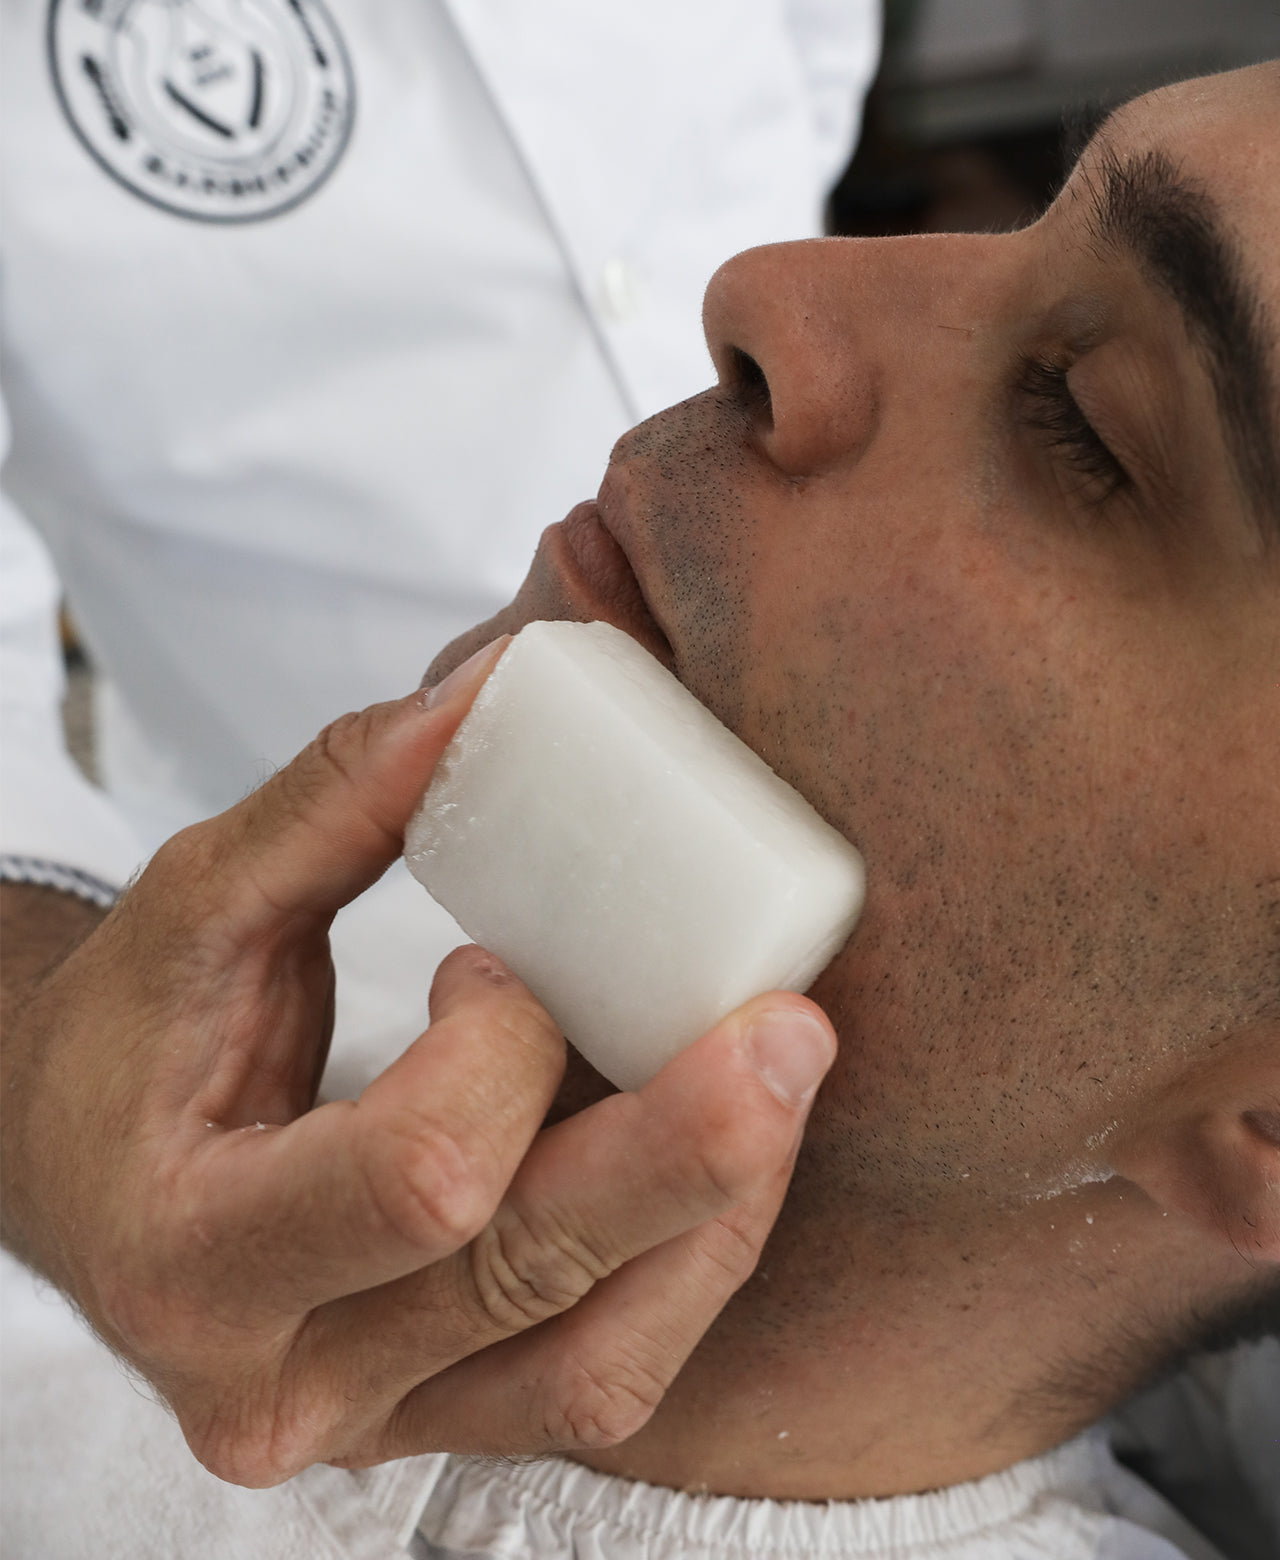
{"type": "Point", "coordinates": [1031, 955]}
{"type": "Point", "coordinates": [733, 566]}
{"type": "Point", "coordinates": [1041, 954]}
{"type": "Point", "coordinates": [685, 474]}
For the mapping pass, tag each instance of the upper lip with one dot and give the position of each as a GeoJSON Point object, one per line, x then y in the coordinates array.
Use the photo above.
{"type": "Point", "coordinates": [608, 507]}
{"type": "Point", "coordinates": [614, 516]}
{"type": "Point", "coordinates": [612, 511]}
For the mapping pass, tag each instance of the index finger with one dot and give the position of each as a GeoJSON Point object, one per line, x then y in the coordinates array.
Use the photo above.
{"type": "Point", "coordinates": [356, 1193]}
{"type": "Point", "coordinates": [624, 1232]}
{"type": "Point", "coordinates": [331, 822]}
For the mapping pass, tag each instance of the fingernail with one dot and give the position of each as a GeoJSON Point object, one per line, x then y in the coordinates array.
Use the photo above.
{"type": "Point", "coordinates": [472, 671]}
{"type": "Point", "coordinates": [791, 1050]}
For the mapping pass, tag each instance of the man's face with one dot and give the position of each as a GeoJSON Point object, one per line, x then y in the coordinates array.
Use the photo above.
{"type": "Point", "coordinates": [977, 542]}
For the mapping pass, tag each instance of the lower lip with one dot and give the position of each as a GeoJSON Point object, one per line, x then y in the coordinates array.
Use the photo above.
{"type": "Point", "coordinates": [600, 579]}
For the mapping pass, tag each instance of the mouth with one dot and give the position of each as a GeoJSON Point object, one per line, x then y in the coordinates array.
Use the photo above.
{"type": "Point", "coordinates": [598, 580]}
{"type": "Point", "coordinates": [580, 574]}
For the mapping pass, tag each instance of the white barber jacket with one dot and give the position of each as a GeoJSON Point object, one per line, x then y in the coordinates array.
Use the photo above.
{"type": "Point", "coordinates": [314, 317]}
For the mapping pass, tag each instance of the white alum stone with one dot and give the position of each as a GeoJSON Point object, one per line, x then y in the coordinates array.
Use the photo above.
{"type": "Point", "coordinates": [640, 868]}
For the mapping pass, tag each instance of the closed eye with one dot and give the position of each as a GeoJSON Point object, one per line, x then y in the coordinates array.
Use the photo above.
{"type": "Point", "coordinates": [1051, 408]}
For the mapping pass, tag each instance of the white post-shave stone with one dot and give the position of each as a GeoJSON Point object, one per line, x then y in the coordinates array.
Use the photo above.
{"type": "Point", "coordinates": [640, 868]}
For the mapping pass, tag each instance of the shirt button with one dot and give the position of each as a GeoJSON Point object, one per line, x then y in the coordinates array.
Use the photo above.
{"type": "Point", "coordinates": [619, 294]}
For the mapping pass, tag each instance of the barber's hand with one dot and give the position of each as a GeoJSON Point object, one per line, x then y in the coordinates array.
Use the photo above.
{"type": "Point", "coordinates": [423, 1268]}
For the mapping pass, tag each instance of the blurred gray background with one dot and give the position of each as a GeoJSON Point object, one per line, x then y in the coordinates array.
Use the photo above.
{"type": "Point", "coordinates": [964, 127]}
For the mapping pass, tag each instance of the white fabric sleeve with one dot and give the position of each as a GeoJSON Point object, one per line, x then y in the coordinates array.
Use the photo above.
{"type": "Point", "coordinates": [838, 42]}
{"type": "Point", "coordinates": [55, 827]}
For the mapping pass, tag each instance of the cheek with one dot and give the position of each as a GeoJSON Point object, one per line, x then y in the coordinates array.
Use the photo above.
{"type": "Point", "coordinates": [988, 722]}
{"type": "Point", "coordinates": [901, 681]}
{"type": "Point", "coordinates": [927, 714]}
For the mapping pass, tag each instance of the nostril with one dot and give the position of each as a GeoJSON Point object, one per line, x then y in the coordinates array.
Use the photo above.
{"type": "Point", "coordinates": [751, 385]}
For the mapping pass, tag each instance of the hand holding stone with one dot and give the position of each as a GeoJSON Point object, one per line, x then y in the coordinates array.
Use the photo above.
{"type": "Point", "coordinates": [423, 1268]}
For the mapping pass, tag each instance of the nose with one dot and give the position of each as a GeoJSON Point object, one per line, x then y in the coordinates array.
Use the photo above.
{"type": "Point", "coordinates": [819, 338]}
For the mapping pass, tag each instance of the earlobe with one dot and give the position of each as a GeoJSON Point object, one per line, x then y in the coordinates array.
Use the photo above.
{"type": "Point", "coordinates": [1208, 1149]}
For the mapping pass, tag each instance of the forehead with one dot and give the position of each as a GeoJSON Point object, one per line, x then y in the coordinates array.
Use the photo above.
{"type": "Point", "coordinates": [1222, 132]}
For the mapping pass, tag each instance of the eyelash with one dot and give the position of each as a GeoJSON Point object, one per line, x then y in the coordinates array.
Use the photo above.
{"type": "Point", "coordinates": [1053, 409]}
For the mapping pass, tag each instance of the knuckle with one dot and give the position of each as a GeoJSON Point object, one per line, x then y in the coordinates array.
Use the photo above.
{"type": "Point", "coordinates": [253, 1460]}
{"type": "Point", "coordinates": [595, 1408]}
{"type": "Point", "coordinates": [296, 791]}
{"type": "Point", "coordinates": [728, 1251]}
{"type": "Point", "coordinates": [339, 743]}
{"type": "Point", "coordinates": [189, 896]}
{"type": "Point", "coordinates": [333, 756]}
{"type": "Point", "coordinates": [424, 1190]}
{"type": "Point", "coordinates": [233, 1459]}
{"type": "Point", "coordinates": [292, 794]}
{"type": "Point", "coordinates": [179, 854]}
{"type": "Point", "coordinates": [178, 869]}
{"type": "Point", "coordinates": [237, 1420]}
{"type": "Point", "coordinates": [333, 769]}
{"type": "Point", "coordinates": [523, 1276]}
{"type": "Point", "coordinates": [257, 1443]}
{"type": "Point", "coordinates": [725, 1159]}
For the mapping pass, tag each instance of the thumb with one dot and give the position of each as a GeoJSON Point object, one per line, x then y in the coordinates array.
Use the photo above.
{"type": "Point", "coordinates": [329, 824]}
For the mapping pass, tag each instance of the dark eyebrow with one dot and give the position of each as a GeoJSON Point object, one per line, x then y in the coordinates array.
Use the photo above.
{"type": "Point", "coordinates": [1172, 229]}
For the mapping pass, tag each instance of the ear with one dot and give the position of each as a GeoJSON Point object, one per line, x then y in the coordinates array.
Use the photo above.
{"type": "Point", "coordinates": [1208, 1147]}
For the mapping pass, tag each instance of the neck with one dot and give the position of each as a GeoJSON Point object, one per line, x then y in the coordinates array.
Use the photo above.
{"type": "Point", "coordinates": [912, 1359]}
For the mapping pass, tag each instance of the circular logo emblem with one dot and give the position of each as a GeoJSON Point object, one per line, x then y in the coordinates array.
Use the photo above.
{"type": "Point", "coordinates": [221, 110]}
